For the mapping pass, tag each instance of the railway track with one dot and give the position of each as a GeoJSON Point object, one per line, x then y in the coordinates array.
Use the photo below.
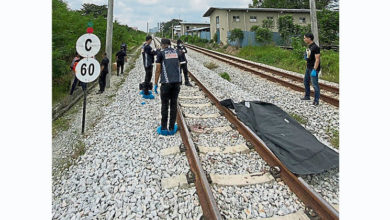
{"type": "Point", "coordinates": [198, 134]}
{"type": "Point", "coordinates": [329, 93]}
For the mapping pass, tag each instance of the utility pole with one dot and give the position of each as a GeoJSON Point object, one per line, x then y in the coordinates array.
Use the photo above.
{"type": "Point", "coordinates": [109, 39]}
{"type": "Point", "coordinates": [172, 31]}
{"type": "Point", "coordinates": [313, 18]}
{"type": "Point", "coordinates": [147, 27]}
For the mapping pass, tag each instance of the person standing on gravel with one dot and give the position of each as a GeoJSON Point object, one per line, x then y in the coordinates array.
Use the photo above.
{"type": "Point", "coordinates": [120, 60]}
{"type": "Point", "coordinates": [168, 58]}
{"type": "Point", "coordinates": [148, 59]}
{"type": "Point", "coordinates": [313, 67]}
{"type": "Point", "coordinates": [103, 73]}
{"type": "Point", "coordinates": [182, 50]}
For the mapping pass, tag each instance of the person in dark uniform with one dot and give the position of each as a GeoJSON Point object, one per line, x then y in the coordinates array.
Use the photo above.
{"type": "Point", "coordinates": [182, 50]}
{"type": "Point", "coordinates": [120, 60]}
{"type": "Point", "coordinates": [148, 59]}
{"type": "Point", "coordinates": [103, 73]}
{"type": "Point", "coordinates": [75, 80]}
{"type": "Point", "coordinates": [168, 67]}
{"type": "Point", "coordinates": [313, 67]}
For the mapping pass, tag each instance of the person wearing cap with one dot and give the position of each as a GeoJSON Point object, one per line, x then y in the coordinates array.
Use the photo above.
{"type": "Point", "coordinates": [168, 67]}
{"type": "Point", "coordinates": [148, 59]}
{"type": "Point", "coordinates": [182, 50]}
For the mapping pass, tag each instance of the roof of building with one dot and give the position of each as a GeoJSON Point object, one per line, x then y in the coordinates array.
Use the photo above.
{"type": "Point", "coordinates": [198, 29]}
{"type": "Point", "coordinates": [196, 23]}
{"type": "Point", "coordinates": [280, 10]}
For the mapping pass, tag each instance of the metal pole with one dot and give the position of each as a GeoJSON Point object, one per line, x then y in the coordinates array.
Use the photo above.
{"type": "Point", "coordinates": [109, 39]}
{"type": "Point", "coordinates": [313, 18]}
{"type": "Point", "coordinates": [172, 31]}
{"type": "Point", "coordinates": [147, 27]}
{"type": "Point", "coordinates": [84, 108]}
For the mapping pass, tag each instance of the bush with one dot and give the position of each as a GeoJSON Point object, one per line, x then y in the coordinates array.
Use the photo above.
{"type": "Point", "coordinates": [254, 28]}
{"type": "Point", "coordinates": [263, 35]}
{"type": "Point", "coordinates": [210, 65]}
{"type": "Point", "coordinates": [268, 23]}
{"type": "Point", "coordinates": [225, 75]}
{"type": "Point", "coordinates": [236, 35]}
{"type": "Point", "coordinates": [215, 37]}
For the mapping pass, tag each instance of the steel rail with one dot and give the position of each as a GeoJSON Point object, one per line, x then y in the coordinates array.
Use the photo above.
{"type": "Point", "coordinates": [206, 198]}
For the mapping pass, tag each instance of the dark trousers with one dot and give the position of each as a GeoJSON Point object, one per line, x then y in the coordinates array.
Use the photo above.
{"type": "Point", "coordinates": [148, 77]}
{"type": "Point", "coordinates": [74, 84]}
{"type": "Point", "coordinates": [185, 71]}
{"type": "Point", "coordinates": [314, 82]}
{"type": "Point", "coordinates": [102, 81]}
{"type": "Point", "coordinates": [119, 64]}
{"type": "Point", "coordinates": [169, 93]}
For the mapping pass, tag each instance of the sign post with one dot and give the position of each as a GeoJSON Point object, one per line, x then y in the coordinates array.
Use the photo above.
{"type": "Point", "coordinates": [88, 68]}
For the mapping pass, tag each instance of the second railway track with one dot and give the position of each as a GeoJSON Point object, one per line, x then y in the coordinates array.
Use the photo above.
{"type": "Point", "coordinates": [329, 93]}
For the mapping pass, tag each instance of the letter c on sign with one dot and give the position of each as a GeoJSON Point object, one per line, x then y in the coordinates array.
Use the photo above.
{"type": "Point", "coordinates": [86, 42]}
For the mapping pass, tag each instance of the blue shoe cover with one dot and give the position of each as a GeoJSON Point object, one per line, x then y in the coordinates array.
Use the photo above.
{"type": "Point", "coordinates": [173, 131]}
{"type": "Point", "coordinates": [150, 96]}
{"type": "Point", "coordinates": [162, 132]}
{"type": "Point", "coordinates": [142, 92]}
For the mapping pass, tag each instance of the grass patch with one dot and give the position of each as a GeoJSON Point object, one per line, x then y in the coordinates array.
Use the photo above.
{"type": "Point", "coordinates": [225, 75]}
{"type": "Point", "coordinates": [61, 124]}
{"type": "Point", "coordinates": [210, 65]}
{"type": "Point", "coordinates": [286, 59]}
{"type": "Point", "coordinates": [334, 140]}
{"type": "Point", "coordinates": [299, 118]}
{"type": "Point", "coordinates": [79, 150]}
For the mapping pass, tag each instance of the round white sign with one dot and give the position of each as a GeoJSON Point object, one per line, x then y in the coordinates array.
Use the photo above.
{"type": "Point", "coordinates": [88, 45]}
{"type": "Point", "coordinates": [87, 70]}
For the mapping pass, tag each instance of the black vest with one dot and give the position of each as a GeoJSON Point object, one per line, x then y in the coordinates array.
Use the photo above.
{"type": "Point", "coordinates": [170, 69]}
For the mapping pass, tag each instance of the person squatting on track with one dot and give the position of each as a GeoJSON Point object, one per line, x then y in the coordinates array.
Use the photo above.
{"type": "Point", "coordinates": [148, 59]}
{"type": "Point", "coordinates": [103, 73]}
{"type": "Point", "coordinates": [75, 80]}
{"type": "Point", "coordinates": [167, 64]}
{"type": "Point", "coordinates": [182, 50]}
{"type": "Point", "coordinates": [120, 60]}
{"type": "Point", "coordinates": [313, 67]}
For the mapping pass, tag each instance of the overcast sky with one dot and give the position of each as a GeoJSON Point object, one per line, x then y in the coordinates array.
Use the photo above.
{"type": "Point", "coordinates": [136, 13]}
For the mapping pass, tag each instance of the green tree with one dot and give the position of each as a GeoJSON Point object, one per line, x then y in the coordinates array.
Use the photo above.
{"type": "Point", "coordinates": [268, 23]}
{"type": "Point", "coordinates": [254, 28]}
{"type": "Point", "coordinates": [167, 27]}
{"type": "Point", "coordinates": [236, 35]}
{"type": "Point", "coordinates": [94, 10]}
{"type": "Point", "coordinates": [286, 27]}
{"type": "Point", "coordinates": [328, 27]}
{"type": "Point", "coordinates": [263, 35]}
{"type": "Point", "coordinates": [215, 37]}
{"type": "Point", "coordinates": [293, 4]}
{"type": "Point", "coordinates": [255, 4]}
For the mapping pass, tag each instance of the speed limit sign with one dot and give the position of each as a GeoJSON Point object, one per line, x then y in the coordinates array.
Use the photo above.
{"type": "Point", "coordinates": [88, 45]}
{"type": "Point", "coordinates": [87, 70]}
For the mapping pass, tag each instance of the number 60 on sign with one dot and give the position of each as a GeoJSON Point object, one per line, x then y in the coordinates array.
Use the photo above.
{"type": "Point", "coordinates": [87, 70]}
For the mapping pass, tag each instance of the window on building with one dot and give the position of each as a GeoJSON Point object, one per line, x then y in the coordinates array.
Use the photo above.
{"type": "Point", "coordinates": [217, 20]}
{"type": "Point", "coordinates": [252, 19]}
{"type": "Point", "coordinates": [302, 20]}
{"type": "Point", "coordinates": [270, 17]}
{"type": "Point", "coordinates": [188, 27]}
{"type": "Point", "coordinates": [236, 18]}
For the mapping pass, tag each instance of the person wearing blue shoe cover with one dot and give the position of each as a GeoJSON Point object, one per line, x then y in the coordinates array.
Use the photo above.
{"type": "Point", "coordinates": [148, 59]}
{"type": "Point", "coordinates": [168, 67]}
